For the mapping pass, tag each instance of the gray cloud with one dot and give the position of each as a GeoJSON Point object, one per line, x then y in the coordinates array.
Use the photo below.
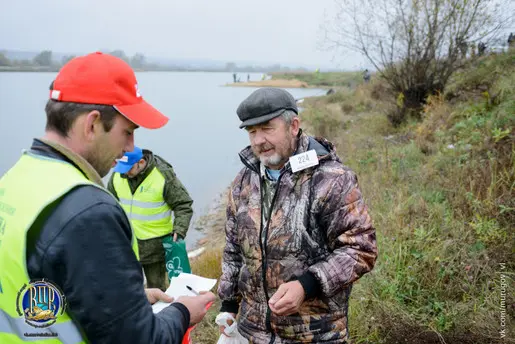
{"type": "Point", "coordinates": [282, 31]}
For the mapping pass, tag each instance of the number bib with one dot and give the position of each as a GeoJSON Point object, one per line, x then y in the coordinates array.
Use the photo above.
{"type": "Point", "coordinates": [304, 160]}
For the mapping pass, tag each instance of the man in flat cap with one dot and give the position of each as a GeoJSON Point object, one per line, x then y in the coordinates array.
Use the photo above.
{"type": "Point", "coordinates": [298, 232]}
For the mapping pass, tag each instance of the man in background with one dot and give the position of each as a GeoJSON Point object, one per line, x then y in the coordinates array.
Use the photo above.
{"type": "Point", "coordinates": [150, 192]}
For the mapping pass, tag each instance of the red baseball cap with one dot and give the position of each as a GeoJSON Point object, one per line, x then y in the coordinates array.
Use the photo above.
{"type": "Point", "coordinates": [99, 78]}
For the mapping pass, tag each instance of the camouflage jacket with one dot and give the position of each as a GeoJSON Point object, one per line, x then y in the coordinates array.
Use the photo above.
{"type": "Point", "coordinates": [174, 192]}
{"type": "Point", "coordinates": [319, 226]}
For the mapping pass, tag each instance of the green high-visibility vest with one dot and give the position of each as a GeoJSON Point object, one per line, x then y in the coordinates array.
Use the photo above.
{"type": "Point", "coordinates": [150, 215]}
{"type": "Point", "coordinates": [32, 184]}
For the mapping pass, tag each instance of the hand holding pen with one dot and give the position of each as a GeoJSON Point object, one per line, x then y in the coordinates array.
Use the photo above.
{"type": "Point", "coordinates": [197, 305]}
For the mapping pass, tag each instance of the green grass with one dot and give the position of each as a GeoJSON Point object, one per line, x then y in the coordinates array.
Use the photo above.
{"type": "Point", "coordinates": [480, 74]}
{"type": "Point", "coordinates": [444, 216]}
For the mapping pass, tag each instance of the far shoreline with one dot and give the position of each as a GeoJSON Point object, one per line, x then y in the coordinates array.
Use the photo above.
{"type": "Point", "coordinates": [54, 69]}
{"type": "Point", "coordinates": [281, 83]}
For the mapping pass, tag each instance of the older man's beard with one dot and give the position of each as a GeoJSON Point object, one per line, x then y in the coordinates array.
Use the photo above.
{"type": "Point", "coordinates": [273, 160]}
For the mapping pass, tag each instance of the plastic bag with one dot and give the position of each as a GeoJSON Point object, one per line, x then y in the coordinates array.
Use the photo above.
{"type": "Point", "coordinates": [232, 335]}
{"type": "Point", "coordinates": [176, 257]}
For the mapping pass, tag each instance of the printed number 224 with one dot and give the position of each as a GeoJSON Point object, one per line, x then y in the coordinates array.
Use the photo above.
{"type": "Point", "coordinates": [303, 159]}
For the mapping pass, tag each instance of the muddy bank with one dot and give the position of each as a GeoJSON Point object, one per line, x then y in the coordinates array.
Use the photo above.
{"type": "Point", "coordinates": [212, 224]}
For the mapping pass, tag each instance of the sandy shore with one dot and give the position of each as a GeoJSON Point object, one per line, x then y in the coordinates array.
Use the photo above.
{"type": "Point", "coordinates": [282, 83]}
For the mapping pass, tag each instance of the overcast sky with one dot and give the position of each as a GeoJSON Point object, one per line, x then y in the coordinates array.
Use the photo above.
{"type": "Point", "coordinates": [268, 31]}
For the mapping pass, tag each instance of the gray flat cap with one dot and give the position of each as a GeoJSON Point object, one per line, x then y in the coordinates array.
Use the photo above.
{"type": "Point", "coordinates": [265, 104]}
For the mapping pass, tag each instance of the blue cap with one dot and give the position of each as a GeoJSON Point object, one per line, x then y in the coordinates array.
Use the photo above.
{"type": "Point", "coordinates": [128, 160]}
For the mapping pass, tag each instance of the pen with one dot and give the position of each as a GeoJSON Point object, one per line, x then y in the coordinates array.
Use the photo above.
{"type": "Point", "coordinates": [192, 290]}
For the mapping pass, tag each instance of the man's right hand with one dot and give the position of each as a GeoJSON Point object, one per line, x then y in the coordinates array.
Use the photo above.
{"type": "Point", "coordinates": [229, 322]}
{"type": "Point", "coordinates": [197, 305]}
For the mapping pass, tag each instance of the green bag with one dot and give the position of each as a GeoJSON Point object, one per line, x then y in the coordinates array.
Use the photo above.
{"type": "Point", "coordinates": [176, 257]}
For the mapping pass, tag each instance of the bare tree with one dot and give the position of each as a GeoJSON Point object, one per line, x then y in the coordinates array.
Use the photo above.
{"type": "Point", "coordinates": [416, 45]}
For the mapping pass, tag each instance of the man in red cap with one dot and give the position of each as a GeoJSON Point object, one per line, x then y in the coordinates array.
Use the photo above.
{"type": "Point", "coordinates": [58, 222]}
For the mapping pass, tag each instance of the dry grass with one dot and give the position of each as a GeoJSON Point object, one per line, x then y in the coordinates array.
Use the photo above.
{"type": "Point", "coordinates": [436, 119]}
{"type": "Point", "coordinates": [208, 265]}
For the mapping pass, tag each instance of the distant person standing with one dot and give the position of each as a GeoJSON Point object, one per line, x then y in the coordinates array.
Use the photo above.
{"type": "Point", "coordinates": [234, 77]}
{"type": "Point", "coordinates": [248, 77]}
{"type": "Point", "coordinates": [366, 76]}
{"type": "Point", "coordinates": [511, 41]}
{"type": "Point", "coordinates": [481, 48]}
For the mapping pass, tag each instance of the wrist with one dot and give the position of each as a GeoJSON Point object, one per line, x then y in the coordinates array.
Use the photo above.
{"type": "Point", "coordinates": [184, 311]}
{"type": "Point", "coordinates": [230, 307]}
{"type": "Point", "coordinates": [310, 284]}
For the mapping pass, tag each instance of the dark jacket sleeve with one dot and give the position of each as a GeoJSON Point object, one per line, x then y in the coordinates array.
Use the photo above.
{"type": "Point", "coordinates": [85, 248]}
{"type": "Point", "coordinates": [178, 198]}
{"type": "Point", "coordinates": [351, 236]}
{"type": "Point", "coordinates": [232, 258]}
{"type": "Point", "coordinates": [110, 186]}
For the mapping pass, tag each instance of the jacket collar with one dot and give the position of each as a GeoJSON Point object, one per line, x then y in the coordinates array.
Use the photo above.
{"type": "Point", "coordinates": [323, 148]}
{"type": "Point", "coordinates": [79, 162]}
{"type": "Point", "coordinates": [151, 163]}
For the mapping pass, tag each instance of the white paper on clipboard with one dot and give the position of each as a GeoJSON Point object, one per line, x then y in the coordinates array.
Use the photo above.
{"type": "Point", "coordinates": [178, 288]}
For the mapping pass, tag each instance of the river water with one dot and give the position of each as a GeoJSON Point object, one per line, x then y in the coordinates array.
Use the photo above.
{"type": "Point", "coordinates": [201, 140]}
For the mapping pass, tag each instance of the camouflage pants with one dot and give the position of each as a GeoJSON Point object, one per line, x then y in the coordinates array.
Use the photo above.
{"type": "Point", "coordinates": [155, 274]}
{"type": "Point", "coordinates": [152, 257]}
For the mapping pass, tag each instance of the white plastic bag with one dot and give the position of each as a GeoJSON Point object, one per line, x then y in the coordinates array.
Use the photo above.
{"type": "Point", "coordinates": [233, 336]}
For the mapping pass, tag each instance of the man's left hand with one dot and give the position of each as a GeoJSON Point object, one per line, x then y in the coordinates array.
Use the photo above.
{"type": "Point", "coordinates": [174, 237]}
{"type": "Point", "coordinates": [155, 294]}
{"type": "Point", "coordinates": [287, 299]}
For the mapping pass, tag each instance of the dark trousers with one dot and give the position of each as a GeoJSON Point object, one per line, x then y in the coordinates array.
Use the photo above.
{"type": "Point", "coordinates": [156, 275]}
{"type": "Point", "coordinates": [152, 257]}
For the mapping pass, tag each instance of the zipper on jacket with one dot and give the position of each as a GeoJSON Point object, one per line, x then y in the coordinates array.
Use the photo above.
{"type": "Point", "coordinates": [263, 236]}
{"type": "Point", "coordinates": [132, 203]}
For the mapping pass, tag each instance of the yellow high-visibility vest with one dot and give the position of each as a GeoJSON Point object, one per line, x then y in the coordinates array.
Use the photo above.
{"type": "Point", "coordinates": [150, 215]}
